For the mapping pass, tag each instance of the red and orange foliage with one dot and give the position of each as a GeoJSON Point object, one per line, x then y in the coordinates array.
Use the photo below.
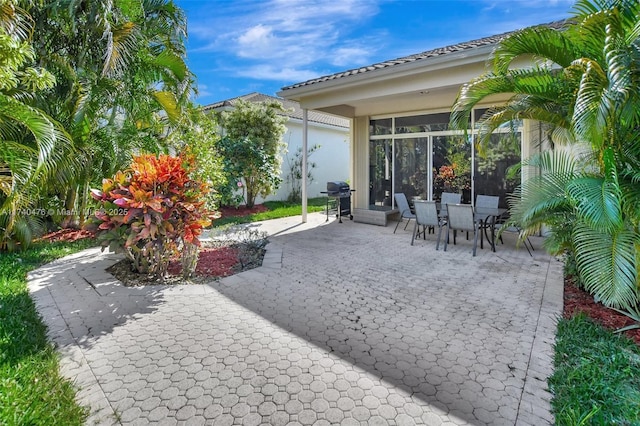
{"type": "Point", "coordinates": [150, 210]}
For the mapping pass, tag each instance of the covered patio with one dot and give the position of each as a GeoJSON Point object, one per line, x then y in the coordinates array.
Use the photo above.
{"type": "Point", "coordinates": [400, 135]}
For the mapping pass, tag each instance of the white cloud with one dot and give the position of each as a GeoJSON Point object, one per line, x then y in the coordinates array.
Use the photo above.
{"type": "Point", "coordinates": [347, 56]}
{"type": "Point", "coordinates": [256, 41]}
{"type": "Point", "coordinates": [275, 73]}
{"type": "Point", "coordinates": [299, 32]}
{"type": "Point", "coordinates": [203, 91]}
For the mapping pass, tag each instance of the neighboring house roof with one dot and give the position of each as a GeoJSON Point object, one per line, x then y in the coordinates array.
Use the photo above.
{"type": "Point", "coordinates": [441, 51]}
{"type": "Point", "coordinates": [292, 108]}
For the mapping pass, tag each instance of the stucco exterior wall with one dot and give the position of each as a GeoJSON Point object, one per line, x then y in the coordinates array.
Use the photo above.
{"type": "Point", "coordinates": [360, 162]}
{"type": "Point", "coordinates": [332, 158]}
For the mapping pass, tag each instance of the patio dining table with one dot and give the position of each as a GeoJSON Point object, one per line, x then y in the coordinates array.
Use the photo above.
{"type": "Point", "coordinates": [487, 218]}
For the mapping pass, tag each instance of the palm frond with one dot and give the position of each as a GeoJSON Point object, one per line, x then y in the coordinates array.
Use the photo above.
{"type": "Point", "coordinates": [607, 264]}
{"type": "Point", "coordinates": [123, 41]}
{"type": "Point", "coordinates": [538, 42]}
{"type": "Point", "coordinates": [592, 104]}
{"type": "Point", "coordinates": [175, 64]}
{"type": "Point", "coordinates": [598, 202]}
{"type": "Point", "coordinates": [45, 131]}
{"type": "Point", "coordinates": [15, 21]}
{"type": "Point", "coordinates": [169, 104]}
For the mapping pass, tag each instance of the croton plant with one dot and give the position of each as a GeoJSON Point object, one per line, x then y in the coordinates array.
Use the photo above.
{"type": "Point", "coordinates": [152, 210]}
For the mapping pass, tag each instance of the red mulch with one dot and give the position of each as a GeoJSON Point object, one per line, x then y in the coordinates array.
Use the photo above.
{"type": "Point", "coordinates": [241, 210]}
{"type": "Point", "coordinates": [212, 262]}
{"type": "Point", "coordinates": [577, 300]}
{"type": "Point", "coordinates": [68, 234]}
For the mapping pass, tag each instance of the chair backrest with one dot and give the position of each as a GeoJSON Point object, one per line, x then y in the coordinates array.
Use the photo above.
{"type": "Point", "coordinates": [426, 213]}
{"type": "Point", "coordinates": [487, 201]}
{"type": "Point", "coordinates": [402, 203]}
{"type": "Point", "coordinates": [460, 217]}
{"type": "Point", "coordinates": [450, 198]}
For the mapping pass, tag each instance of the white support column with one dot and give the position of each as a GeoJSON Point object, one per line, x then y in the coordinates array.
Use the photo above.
{"type": "Point", "coordinates": [305, 132]}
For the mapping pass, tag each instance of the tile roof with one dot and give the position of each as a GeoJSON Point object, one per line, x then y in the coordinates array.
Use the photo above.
{"type": "Point", "coordinates": [293, 109]}
{"type": "Point", "coordinates": [441, 51]}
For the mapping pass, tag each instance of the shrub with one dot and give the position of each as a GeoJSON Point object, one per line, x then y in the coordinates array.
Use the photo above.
{"type": "Point", "coordinates": [251, 150]}
{"type": "Point", "coordinates": [294, 178]}
{"type": "Point", "coordinates": [150, 210]}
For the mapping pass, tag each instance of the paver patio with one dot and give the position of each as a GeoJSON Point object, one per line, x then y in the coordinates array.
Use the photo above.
{"type": "Point", "coordinates": [344, 324]}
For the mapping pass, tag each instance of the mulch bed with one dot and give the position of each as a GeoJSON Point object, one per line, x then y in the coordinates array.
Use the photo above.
{"type": "Point", "coordinates": [242, 210]}
{"type": "Point", "coordinates": [213, 261]}
{"type": "Point", "coordinates": [216, 259]}
{"type": "Point", "coordinates": [577, 300]}
{"type": "Point", "coordinates": [68, 234]}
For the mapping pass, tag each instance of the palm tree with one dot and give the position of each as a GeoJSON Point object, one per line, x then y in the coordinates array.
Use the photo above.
{"type": "Point", "coordinates": [584, 85]}
{"type": "Point", "coordinates": [122, 81]}
{"type": "Point", "coordinates": [33, 145]}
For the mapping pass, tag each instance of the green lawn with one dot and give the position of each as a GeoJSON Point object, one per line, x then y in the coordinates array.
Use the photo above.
{"type": "Point", "coordinates": [597, 376]}
{"type": "Point", "coordinates": [277, 209]}
{"type": "Point", "coordinates": [32, 392]}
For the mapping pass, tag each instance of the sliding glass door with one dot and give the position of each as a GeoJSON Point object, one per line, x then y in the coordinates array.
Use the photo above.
{"type": "Point", "coordinates": [411, 167]}
{"type": "Point", "coordinates": [494, 171]}
{"type": "Point", "coordinates": [380, 173]}
{"type": "Point", "coordinates": [452, 166]}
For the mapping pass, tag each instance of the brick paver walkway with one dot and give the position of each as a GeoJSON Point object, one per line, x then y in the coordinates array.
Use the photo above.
{"type": "Point", "coordinates": [344, 324]}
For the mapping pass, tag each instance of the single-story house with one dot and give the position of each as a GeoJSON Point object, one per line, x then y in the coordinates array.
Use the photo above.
{"type": "Point", "coordinates": [328, 131]}
{"type": "Point", "coordinates": [400, 138]}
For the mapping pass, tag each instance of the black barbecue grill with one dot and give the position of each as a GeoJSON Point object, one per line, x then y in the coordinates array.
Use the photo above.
{"type": "Point", "coordinates": [341, 193]}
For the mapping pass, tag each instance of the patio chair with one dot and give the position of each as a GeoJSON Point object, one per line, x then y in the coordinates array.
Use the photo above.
{"type": "Point", "coordinates": [427, 217]}
{"type": "Point", "coordinates": [405, 210]}
{"type": "Point", "coordinates": [448, 198]}
{"type": "Point", "coordinates": [488, 202]}
{"type": "Point", "coordinates": [509, 226]}
{"type": "Point", "coordinates": [460, 218]}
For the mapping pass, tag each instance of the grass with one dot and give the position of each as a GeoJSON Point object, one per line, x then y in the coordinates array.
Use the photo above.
{"type": "Point", "coordinates": [277, 209]}
{"type": "Point", "coordinates": [597, 375]}
{"type": "Point", "coordinates": [32, 392]}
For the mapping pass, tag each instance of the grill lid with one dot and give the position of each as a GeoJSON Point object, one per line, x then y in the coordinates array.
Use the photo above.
{"type": "Point", "coordinates": [337, 187]}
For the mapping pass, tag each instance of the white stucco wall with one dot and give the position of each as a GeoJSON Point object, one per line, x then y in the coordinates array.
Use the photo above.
{"type": "Point", "coordinates": [332, 158]}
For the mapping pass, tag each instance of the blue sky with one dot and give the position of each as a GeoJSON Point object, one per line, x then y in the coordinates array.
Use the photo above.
{"type": "Point", "coordinates": [237, 47]}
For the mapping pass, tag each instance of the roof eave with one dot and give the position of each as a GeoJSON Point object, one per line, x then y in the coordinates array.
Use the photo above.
{"type": "Point", "coordinates": [469, 56]}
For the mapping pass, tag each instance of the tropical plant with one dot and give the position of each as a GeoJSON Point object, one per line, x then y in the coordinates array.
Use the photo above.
{"type": "Point", "coordinates": [252, 147]}
{"type": "Point", "coordinates": [150, 210]}
{"type": "Point", "coordinates": [32, 144]}
{"type": "Point", "coordinates": [197, 133]}
{"type": "Point", "coordinates": [122, 82]}
{"type": "Point", "coordinates": [584, 85]}
{"type": "Point", "coordinates": [294, 177]}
